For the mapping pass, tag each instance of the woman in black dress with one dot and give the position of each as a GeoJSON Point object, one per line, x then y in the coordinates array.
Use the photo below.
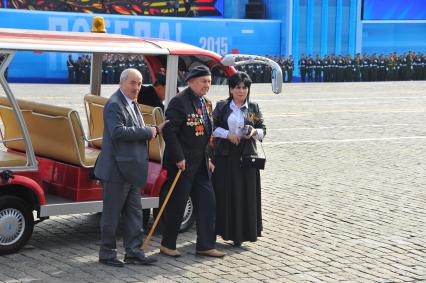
{"type": "Point", "coordinates": [238, 123]}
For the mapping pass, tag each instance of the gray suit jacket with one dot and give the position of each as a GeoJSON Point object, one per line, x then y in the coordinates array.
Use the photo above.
{"type": "Point", "coordinates": [124, 154]}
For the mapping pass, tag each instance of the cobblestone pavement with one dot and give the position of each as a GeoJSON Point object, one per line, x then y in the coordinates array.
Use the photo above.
{"type": "Point", "coordinates": [344, 197]}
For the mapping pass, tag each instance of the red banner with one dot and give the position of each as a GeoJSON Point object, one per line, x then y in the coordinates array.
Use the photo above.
{"type": "Point", "coordinates": [180, 8]}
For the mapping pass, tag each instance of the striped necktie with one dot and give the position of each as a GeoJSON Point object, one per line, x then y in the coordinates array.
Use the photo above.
{"type": "Point", "coordinates": [138, 115]}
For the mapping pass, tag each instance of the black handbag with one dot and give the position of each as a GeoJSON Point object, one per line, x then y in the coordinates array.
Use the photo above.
{"type": "Point", "coordinates": [254, 161]}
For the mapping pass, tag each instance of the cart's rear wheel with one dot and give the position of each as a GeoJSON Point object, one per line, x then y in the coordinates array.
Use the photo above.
{"type": "Point", "coordinates": [188, 216]}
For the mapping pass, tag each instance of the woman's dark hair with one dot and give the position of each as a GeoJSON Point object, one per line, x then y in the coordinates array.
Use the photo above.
{"type": "Point", "coordinates": [236, 79]}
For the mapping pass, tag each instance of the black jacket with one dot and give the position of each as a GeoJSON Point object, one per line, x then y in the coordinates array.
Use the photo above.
{"type": "Point", "coordinates": [220, 119]}
{"type": "Point", "coordinates": [148, 96]}
{"type": "Point", "coordinates": [184, 134]}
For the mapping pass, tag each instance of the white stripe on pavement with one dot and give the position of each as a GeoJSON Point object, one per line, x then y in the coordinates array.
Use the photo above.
{"type": "Point", "coordinates": [346, 140]}
{"type": "Point", "coordinates": [340, 98]}
{"type": "Point", "coordinates": [338, 127]}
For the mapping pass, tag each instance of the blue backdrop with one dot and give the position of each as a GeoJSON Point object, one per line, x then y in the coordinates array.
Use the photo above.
{"type": "Point", "coordinates": [394, 10]}
{"type": "Point", "coordinates": [221, 36]}
{"type": "Point", "coordinates": [393, 37]}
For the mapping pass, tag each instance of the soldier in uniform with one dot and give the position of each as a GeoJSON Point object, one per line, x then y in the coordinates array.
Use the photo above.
{"type": "Point", "coordinates": [131, 62]}
{"type": "Point", "coordinates": [410, 69]}
{"type": "Point", "coordinates": [350, 69]}
{"type": "Point", "coordinates": [261, 69]}
{"type": "Point", "coordinates": [326, 68]}
{"type": "Point", "coordinates": [381, 73]}
{"type": "Point", "coordinates": [290, 67]}
{"type": "Point", "coordinates": [104, 70]}
{"type": "Point", "coordinates": [109, 69]}
{"type": "Point", "coordinates": [402, 65]}
{"type": "Point", "coordinates": [365, 68]}
{"type": "Point", "coordinates": [424, 67]}
{"type": "Point", "coordinates": [387, 67]}
{"type": "Point", "coordinates": [266, 73]}
{"type": "Point", "coordinates": [302, 67]}
{"type": "Point", "coordinates": [78, 70]}
{"type": "Point", "coordinates": [341, 69]}
{"type": "Point", "coordinates": [87, 67]}
{"type": "Point", "coordinates": [82, 69]}
{"type": "Point", "coordinates": [283, 65]}
{"type": "Point", "coordinates": [148, 73]}
{"type": "Point", "coordinates": [344, 67]}
{"type": "Point", "coordinates": [250, 70]}
{"type": "Point", "coordinates": [310, 68]}
{"type": "Point", "coordinates": [318, 68]}
{"type": "Point", "coordinates": [398, 71]}
{"type": "Point", "coordinates": [276, 59]}
{"type": "Point", "coordinates": [374, 64]}
{"type": "Point", "coordinates": [143, 68]}
{"type": "Point", "coordinates": [357, 62]}
{"type": "Point", "coordinates": [119, 66]}
{"type": "Point", "coordinates": [417, 66]}
{"type": "Point", "coordinates": [71, 69]}
{"type": "Point", "coordinates": [139, 63]}
{"type": "Point", "coordinates": [392, 68]}
{"type": "Point", "coordinates": [333, 68]}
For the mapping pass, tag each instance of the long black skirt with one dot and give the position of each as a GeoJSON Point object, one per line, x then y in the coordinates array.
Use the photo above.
{"type": "Point", "coordinates": [238, 199]}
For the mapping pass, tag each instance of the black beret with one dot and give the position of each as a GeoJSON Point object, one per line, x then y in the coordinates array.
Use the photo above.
{"type": "Point", "coordinates": [199, 71]}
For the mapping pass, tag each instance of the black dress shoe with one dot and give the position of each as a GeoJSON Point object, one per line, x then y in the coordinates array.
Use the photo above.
{"type": "Point", "coordinates": [139, 260]}
{"type": "Point", "coordinates": [112, 262]}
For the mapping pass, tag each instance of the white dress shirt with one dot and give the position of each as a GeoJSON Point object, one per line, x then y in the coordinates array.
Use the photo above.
{"type": "Point", "coordinates": [130, 102]}
{"type": "Point", "coordinates": [236, 123]}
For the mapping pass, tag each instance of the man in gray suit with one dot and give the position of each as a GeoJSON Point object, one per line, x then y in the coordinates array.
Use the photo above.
{"type": "Point", "coordinates": [122, 167]}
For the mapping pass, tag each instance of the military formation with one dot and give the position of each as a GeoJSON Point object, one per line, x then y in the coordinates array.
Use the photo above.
{"type": "Point", "coordinates": [391, 67]}
{"type": "Point", "coordinates": [329, 68]}
{"type": "Point", "coordinates": [112, 66]}
{"type": "Point", "coordinates": [261, 73]}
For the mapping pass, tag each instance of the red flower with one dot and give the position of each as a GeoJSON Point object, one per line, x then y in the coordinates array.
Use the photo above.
{"type": "Point", "coordinates": [199, 111]}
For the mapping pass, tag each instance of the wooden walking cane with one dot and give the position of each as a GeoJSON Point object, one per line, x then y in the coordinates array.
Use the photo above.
{"type": "Point", "coordinates": [157, 219]}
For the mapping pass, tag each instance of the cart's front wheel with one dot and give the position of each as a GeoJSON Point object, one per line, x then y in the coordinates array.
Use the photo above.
{"type": "Point", "coordinates": [16, 224]}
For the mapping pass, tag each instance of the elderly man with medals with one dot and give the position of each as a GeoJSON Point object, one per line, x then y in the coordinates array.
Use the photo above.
{"type": "Point", "coordinates": [187, 137]}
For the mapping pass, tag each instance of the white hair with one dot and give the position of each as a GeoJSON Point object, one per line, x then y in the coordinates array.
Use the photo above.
{"type": "Point", "coordinates": [125, 74]}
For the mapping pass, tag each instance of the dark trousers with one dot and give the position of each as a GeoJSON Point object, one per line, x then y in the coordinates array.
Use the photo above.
{"type": "Point", "coordinates": [289, 76]}
{"type": "Point", "coordinates": [303, 74]}
{"type": "Point", "coordinates": [194, 181]}
{"type": "Point", "coordinates": [71, 75]}
{"type": "Point", "coordinates": [309, 73]}
{"type": "Point", "coordinates": [125, 200]}
{"type": "Point", "coordinates": [317, 75]}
